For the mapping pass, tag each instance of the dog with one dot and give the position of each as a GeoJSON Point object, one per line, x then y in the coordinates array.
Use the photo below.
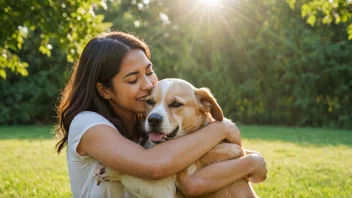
{"type": "Point", "coordinates": [176, 108]}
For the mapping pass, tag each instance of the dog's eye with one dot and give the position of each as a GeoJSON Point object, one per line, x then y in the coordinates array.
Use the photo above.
{"type": "Point", "coordinates": [150, 102]}
{"type": "Point", "coordinates": [175, 104]}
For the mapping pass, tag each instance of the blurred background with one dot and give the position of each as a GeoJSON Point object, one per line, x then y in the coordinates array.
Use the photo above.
{"type": "Point", "coordinates": [267, 62]}
{"type": "Point", "coordinates": [280, 69]}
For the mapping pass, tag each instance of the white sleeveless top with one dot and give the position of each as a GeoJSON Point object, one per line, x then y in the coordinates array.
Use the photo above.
{"type": "Point", "coordinates": [81, 168]}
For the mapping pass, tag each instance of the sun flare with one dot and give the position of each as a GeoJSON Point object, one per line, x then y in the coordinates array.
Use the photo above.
{"type": "Point", "coordinates": [210, 3]}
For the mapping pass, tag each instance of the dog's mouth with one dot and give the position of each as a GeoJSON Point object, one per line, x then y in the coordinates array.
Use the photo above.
{"type": "Point", "coordinates": [158, 137]}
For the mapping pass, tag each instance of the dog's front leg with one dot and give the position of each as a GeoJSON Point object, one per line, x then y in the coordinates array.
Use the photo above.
{"type": "Point", "coordinates": [103, 173]}
{"type": "Point", "coordinates": [221, 152]}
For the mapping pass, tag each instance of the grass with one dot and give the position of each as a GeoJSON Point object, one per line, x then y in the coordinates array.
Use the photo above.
{"type": "Point", "coordinates": [302, 162]}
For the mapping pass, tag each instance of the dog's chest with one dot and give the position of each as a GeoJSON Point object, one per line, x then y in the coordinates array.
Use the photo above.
{"type": "Point", "coordinates": [164, 188]}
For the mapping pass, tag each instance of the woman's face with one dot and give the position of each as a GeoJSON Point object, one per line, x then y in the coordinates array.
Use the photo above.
{"type": "Point", "coordinates": [130, 86]}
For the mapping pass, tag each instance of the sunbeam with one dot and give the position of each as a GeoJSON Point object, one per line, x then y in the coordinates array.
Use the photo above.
{"type": "Point", "coordinates": [197, 27]}
{"type": "Point", "coordinates": [210, 3]}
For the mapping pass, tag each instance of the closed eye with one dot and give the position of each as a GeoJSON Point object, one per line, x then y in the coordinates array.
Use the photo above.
{"type": "Point", "coordinates": [133, 82]}
{"type": "Point", "coordinates": [150, 102]}
{"type": "Point", "coordinates": [150, 73]}
{"type": "Point", "coordinates": [175, 104]}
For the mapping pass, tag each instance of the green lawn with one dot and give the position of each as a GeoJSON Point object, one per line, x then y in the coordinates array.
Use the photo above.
{"type": "Point", "coordinates": [302, 162]}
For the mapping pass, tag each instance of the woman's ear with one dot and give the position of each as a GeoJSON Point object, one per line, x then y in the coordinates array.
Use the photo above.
{"type": "Point", "coordinates": [103, 91]}
{"type": "Point", "coordinates": [209, 104]}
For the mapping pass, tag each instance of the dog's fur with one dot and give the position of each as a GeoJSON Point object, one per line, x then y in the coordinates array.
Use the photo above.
{"type": "Point", "coordinates": [176, 108]}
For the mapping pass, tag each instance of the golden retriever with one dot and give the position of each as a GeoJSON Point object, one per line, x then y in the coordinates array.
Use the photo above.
{"type": "Point", "coordinates": [176, 108]}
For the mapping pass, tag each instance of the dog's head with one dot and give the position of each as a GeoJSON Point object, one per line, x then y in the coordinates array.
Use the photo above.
{"type": "Point", "coordinates": [176, 108]}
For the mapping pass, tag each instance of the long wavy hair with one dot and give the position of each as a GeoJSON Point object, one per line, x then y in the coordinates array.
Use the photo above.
{"type": "Point", "coordinates": [100, 61]}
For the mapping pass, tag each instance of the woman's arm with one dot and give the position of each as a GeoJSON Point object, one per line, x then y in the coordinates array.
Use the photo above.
{"type": "Point", "coordinates": [216, 176]}
{"type": "Point", "coordinates": [110, 148]}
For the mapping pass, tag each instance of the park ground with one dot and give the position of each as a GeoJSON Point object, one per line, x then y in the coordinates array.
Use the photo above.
{"type": "Point", "coordinates": [302, 162]}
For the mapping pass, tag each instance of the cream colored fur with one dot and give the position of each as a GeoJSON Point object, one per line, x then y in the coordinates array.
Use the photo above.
{"type": "Point", "coordinates": [198, 110]}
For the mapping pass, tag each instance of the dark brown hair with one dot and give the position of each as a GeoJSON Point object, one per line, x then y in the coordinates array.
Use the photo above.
{"type": "Point", "coordinates": [100, 61]}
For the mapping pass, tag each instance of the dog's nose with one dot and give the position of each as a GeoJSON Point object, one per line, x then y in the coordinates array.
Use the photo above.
{"type": "Point", "coordinates": [154, 119]}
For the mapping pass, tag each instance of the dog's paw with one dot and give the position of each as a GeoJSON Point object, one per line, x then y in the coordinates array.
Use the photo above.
{"type": "Point", "coordinates": [228, 151]}
{"type": "Point", "coordinates": [100, 174]}
{"type": "Point", "coordinates": [103, 173]}
{"type": "Point", "coordinates": [235, 133]}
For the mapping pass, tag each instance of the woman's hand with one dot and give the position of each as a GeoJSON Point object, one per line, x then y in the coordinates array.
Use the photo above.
{"type": "Point", "coordinates": [259, 173]}
{"type": "Point", "coordinates": [221, 174]}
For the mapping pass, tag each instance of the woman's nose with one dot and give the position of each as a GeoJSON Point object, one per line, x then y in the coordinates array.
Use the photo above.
{"type": "Point", "coordinates": [147, 84]}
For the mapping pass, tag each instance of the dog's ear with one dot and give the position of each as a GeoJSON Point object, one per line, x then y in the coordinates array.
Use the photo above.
{"type": "Point", "coordinates": [208, 103]}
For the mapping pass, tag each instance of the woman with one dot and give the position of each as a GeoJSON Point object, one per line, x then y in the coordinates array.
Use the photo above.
{"type": "Point", "coordinates": [97, 118]}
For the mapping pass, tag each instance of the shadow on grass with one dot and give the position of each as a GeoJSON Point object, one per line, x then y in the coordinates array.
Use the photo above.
{"type": "Point", "coordinates": [26, 132]}
{"type": "Point", "coordinates": [300, 136]}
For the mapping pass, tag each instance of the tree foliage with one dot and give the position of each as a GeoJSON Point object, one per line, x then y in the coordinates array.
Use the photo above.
{"type": "Point", "coordinates": [51, 21]}
{"type": "Point", "coordinates": [326, 12]}
{"type": "Point", "coordinates": [262, 61]}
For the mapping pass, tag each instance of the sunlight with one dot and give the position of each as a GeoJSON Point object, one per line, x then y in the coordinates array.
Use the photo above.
{"type": "Point", "coordinates": [210, 3]}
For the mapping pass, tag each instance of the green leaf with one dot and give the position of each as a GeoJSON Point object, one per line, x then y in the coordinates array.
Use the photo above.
{"type": "Point", "coordinates": [2, 74]}
{"type": "Point", "coordinates": [349, 31]}
{"type": "Point", "coordinates": [311, 20]}
{"type": "Point", "coordinates": [327, 19]}
{"type": "Point", "coordinates": [291, 3]}
{"type": "Point", "coordinates": [22, 70]}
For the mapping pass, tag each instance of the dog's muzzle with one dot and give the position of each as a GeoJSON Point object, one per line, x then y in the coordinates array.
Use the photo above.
{"type": "Point", "coordinates": [173, 134]}
{"type": "Point", "coordinates": [158, 137]}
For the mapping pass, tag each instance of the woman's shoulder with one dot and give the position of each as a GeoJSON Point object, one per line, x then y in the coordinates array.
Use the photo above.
{"type": "Point", "coordinates": [88, 114]}
{"type": "Point", "coordinates": [87, 119]}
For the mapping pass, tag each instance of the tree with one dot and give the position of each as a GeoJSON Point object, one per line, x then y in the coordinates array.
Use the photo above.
{"type": "Point", "coordinates": [65, 22]}
{"type": "Point", "coordinates": [326, 12]}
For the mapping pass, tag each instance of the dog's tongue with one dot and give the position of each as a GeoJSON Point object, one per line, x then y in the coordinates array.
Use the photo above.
{"type": "Point", "coordinates": [156, 136]}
